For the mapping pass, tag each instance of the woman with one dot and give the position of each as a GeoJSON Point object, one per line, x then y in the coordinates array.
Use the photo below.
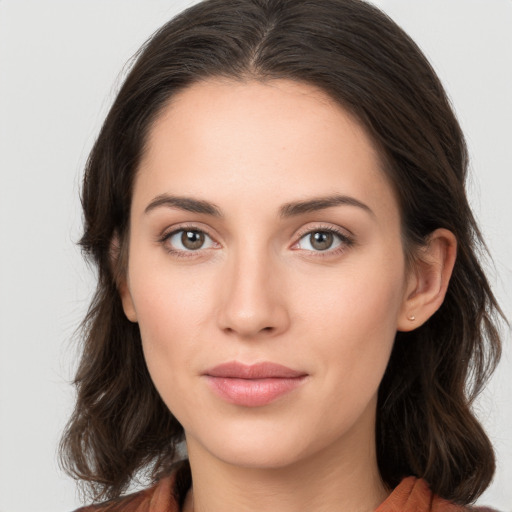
{"type": "Point", "coordinates": [288, 277]}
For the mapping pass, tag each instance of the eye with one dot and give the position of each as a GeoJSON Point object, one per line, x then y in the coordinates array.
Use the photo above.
{"type": "Point", "coordinates": [188, 240]}
{"type": "Point", "coordinates": [322, 240]}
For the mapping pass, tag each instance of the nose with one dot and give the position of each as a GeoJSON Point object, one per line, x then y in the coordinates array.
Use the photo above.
{"type": "Point", "coordinates": [253, 297]}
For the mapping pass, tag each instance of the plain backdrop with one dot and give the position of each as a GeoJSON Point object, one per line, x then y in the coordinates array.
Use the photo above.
{"type": "Point", "coordinates": [60, 65]}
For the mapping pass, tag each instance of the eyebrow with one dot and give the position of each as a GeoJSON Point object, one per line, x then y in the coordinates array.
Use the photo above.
{"type": "Point", "coordinates": [287, 210]}
{"type": "Point", "coordinates": [187, 204]}
{"type": "Point", "coordinates": [321, 203]}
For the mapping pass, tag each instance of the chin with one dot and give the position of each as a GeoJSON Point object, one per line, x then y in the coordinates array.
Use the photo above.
{"type": "Point", "coordinates": [258, 457]}
{"type": "Point", "coordinates": [258, 444]}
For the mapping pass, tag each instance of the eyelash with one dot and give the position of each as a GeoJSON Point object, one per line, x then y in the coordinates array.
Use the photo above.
{"type": "Point", "coordinates": [346, 241]}
{"type": "Point", "coordinates": [179, 253]}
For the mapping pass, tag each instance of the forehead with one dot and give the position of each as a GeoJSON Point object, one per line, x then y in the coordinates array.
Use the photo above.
{"type": "Point", "coordinates": [280, 140]}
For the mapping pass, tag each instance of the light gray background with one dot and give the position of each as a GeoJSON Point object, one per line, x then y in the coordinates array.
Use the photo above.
{"type": "Point", "coordinates": [60, 64]}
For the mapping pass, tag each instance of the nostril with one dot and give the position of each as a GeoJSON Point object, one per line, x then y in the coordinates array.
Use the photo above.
{"type": "Point", "coordinates": [270, 329]}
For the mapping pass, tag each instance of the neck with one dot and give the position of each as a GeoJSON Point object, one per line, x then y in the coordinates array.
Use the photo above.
{"type": "Point", "coordinates": [336, 479]}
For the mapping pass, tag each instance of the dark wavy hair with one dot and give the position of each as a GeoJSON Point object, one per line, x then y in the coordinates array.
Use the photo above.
{"type": "Point", "coordinates": [364, 61]}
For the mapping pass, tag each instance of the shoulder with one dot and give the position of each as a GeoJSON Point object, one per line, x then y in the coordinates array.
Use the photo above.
{"type": "Point", "coordinates": [414, 495]}
{"type": "Point", "coordinates": [136, 502]}
{"type": "Point", "coordinates": [157, 498]}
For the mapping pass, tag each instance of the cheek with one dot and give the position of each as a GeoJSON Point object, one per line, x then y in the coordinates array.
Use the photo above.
{"type": "Point", "coordinates": [170, 318]}
{"type": "Point", "coordinates": [171, 306]}
{"type": "Point", "coordinates": [352, 318]}
{"type": "Point", "coordinates": [357, 297]}
{"type": "Point", "coordinates": [169, 321]}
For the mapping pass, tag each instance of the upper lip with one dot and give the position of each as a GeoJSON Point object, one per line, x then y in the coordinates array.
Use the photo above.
{"type": "Point", "coordinates": [265, 370]}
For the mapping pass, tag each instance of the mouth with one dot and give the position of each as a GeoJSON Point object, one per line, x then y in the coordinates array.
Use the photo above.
{"type": "Point", "coordinates": [253, 385]}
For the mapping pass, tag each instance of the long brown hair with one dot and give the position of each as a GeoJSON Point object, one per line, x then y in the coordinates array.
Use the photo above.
{"type": "Point", "coordinates": [362, 59]}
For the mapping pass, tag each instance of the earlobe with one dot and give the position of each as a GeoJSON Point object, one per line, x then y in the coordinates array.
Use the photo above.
{"type": "Point", "coordinates": [428, 282]}
{"type": "Point", "coordinates": [127, 301]}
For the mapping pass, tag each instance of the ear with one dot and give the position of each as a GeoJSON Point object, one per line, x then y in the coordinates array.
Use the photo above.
{"type": "Point", "coordinates": [428, 280]}
{"type": "Point", "coordinates": [119, 266]}
{"type": "Point", "coordinates": [127, 301]}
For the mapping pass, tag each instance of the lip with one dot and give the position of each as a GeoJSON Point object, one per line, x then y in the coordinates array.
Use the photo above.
{"type": "Point", "coordinates": [253, 385]}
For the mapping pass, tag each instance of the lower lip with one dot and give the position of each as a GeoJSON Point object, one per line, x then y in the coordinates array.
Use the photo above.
{"type": "Point", "coordinates": [253, 392]}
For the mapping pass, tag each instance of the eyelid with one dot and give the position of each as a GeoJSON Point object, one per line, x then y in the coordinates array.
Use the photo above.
{"type": "Point", "coordinates": [346, 238]}
{"type": "Point", "coordinates": [312, 227]}
{"type": "Point", "coordinates": [190, 226]}
{"type": "Point", "coordinates": [170, 231]}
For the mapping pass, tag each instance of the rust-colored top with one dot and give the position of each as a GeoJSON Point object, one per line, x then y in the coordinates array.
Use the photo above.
{"type": "Point", "coordinates": [412, 495]}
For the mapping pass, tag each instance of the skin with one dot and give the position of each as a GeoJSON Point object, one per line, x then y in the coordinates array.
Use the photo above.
{"type": "Point", "coordinates": [258, 290]}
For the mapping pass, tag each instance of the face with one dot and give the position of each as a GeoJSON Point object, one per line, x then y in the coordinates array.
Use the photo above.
{"type": "Point", "coordinates": [265, 270]}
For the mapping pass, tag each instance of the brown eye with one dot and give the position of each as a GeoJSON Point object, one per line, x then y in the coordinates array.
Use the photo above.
{"type": "Point", "coordinates": [188, 240]}
{"type": "Point", "coordinates": [192, 240]}
{"type": "Point", "coordinates": [321, 240]}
